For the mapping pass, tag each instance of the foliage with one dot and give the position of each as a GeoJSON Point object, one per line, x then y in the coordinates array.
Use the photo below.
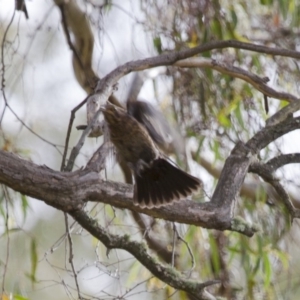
{"type": "Point", "coordinates": [212, 110]}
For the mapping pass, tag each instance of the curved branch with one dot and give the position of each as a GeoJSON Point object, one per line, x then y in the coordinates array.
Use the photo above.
{"type": "Point", "coordinates": [170, 58]}
{"type": "Point", "coordinates": [139, 251]}
{"type": "Point", "coordinates": [250, 189]}
{"type": "Point", "coordinates": [270, 133]}
{"type": "Point", "coordinates": [256, 81]}
{"type": "Point", "coordinates": [281, 160]}
{"type": "Point", "coordinates": [265, 172]}
{"type": "Point", "coordinates": [283, 113]}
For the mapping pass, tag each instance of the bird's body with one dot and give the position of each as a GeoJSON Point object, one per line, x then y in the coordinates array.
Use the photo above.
{"type": "Point", "coordinates": [157, 181]}
{"type": "Point", "coordinates": [130, 137]}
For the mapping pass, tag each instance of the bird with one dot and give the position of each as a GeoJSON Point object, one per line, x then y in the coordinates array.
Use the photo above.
{"type": "Point", "coordinates": [157, 181]}
{"type": "Point", "coordinates": [164, 136]}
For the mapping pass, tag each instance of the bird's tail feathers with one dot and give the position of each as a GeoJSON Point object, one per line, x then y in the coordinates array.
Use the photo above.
{"type": "Point", "coordinates": [162, 183]}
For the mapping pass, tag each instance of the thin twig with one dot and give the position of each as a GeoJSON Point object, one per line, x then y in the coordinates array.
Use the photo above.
{"type": "Point", "coordinates": [65, 27]}
{"type": "Point", "coordinates": [72, 117]}
{"type": "Point", "coordinates": [135, 286]}
{"type": "Point", "coordinates": [8, 239]}
{"type": "Point", "coordinates": [2, 53]}
{"type": "Point", "coordinates": [174, 245]}
{"type": "Point", "coordinates": [3, 69]}
{"type": "Point", "coordinates": [4, 94]}
{"type": "Point", "coordinates": [84, 134]}
{"type": "Point", "coordinates": [71, 254]}
{"type": "Point", "coordinates": [33, 132]}
{"type": "Point", "coordinates": [189, 250]}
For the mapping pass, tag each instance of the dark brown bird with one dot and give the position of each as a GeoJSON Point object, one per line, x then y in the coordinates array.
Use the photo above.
{"type": "Point", "coordinates": [157, 181]}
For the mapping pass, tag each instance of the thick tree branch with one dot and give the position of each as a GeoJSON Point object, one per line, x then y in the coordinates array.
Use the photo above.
{"type": "Point", "coordinates": [249, 189]}
{"type": "Point", "coordinates": [69, 191]}
{"type": "Point", "coordinates": [232, 177]}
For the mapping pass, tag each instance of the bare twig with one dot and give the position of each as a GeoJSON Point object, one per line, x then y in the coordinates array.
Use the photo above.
{"type": "Point", "coordinates": [80, 143]}
{"type": "Point", "coordinates": [174, 244]}
{"type": "Point", "coordinates": [8, 240]}
{"type": "Point", "coordinates": [189, 250]}
{"type": "Point", "coordinates": [2, 54]}
{"type": "Point", "coordinates": [71, 255]}
{"type": "Point", "coordinates": [66, 30]}
{"type": "Point", "coordinates": [72, 117]}
{"type": "Point", "coordinates": [4, 94]}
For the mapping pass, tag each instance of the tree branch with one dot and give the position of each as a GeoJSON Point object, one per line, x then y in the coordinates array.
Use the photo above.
{"type": "Point", "coordinates": [270, 133]}
{"type": "Point", "coordinates": [139, 251]}
{"type": "Point", "coordinates": [265, 172]}
{"type": "Point", "coordinates": [69, 191]}
{"type": "Point", "coordinates": [250, 189]}
{"type": "Point", "coordinates": [256, 81]}
{"type": "Point", "coordinates": [170, 58]}
{"type": "Point", "coordinates": [282, 160]}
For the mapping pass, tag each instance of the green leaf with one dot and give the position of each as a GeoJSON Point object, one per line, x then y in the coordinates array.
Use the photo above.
{"type": "Point", "coordinates": [233, 18]}
{"type": "Point", "coordinates": [283, 104]}
{"type": "Point", "coordinates": [216, 28]}
{"type": "Point", "coordinates": [256, 268]}
{"type": "Point", "coordinates": [266, 2]}
{"type": "Point", "coordinates": [25, 205]}
{"type": "Point", "coordinates": [283, 257]}
{"type": "Point", "coordinates": [157, 44]}
{"type": "Point", "coordinates": [239, 116]}
{"type": "Point", "coordinates": [283, 6]}
{"type": "Point", "coordinates": [267, 269]}
{"type": "Point", "coordinates": [19, 297]}
{"type": "Point", "coordinates": [214, 254]}
{"type": "Point", "coordinates": [34, 260]}
{"type": "Point", "coordinates": [224, 120]}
